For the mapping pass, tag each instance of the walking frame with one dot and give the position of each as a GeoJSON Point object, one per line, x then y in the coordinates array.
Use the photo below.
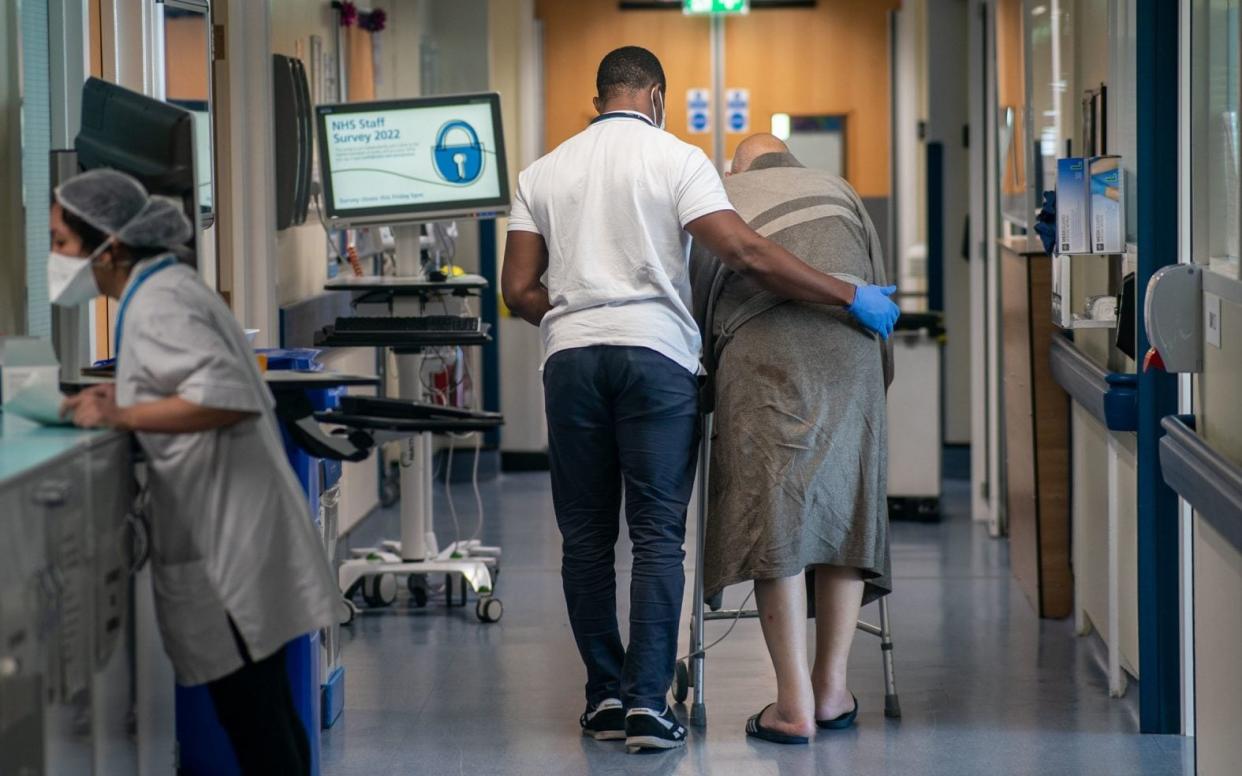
{"type": "Point", "coordinates": [691, 671]}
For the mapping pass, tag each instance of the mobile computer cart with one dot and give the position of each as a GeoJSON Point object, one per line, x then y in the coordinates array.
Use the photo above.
{"type": "Point", "coordinates": [416, 555]}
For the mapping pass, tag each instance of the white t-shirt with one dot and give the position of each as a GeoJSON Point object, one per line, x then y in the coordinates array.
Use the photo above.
{"type": "Point", "coordinates": [611, 203]}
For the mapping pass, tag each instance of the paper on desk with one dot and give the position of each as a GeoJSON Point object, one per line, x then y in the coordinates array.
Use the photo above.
{"type": "Point", "coordinates": [38, 399]}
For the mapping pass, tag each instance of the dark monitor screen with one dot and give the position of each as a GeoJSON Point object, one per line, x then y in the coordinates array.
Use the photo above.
{"type": "Point", "coordinates": [405, 161]}
{"type": "Point", "coordinates": [141, 136]}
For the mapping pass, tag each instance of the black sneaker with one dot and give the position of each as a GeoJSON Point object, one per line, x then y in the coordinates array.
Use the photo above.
{"type": "Point", "coordinates": [604, 722]}
{"type": "Point", "coordinates": [647, 729]}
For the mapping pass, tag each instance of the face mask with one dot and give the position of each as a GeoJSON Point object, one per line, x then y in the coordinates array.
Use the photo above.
{"type": "Point", "coordinates": [70, 279]}
{"type": "Point", "coordinates": [654, 94]}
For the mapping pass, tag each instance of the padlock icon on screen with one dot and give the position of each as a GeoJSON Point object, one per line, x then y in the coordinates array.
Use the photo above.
{"type": "Point", "coordinates": [458, 164]}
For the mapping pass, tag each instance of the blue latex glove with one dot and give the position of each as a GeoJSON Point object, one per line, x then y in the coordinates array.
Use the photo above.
{"type": "Point", "coordinates": [874, 310]}
{"type": "Point", "coordinates": [1046, 223]}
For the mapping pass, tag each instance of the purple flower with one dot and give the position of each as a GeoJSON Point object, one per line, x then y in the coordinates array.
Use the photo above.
{"type": "Point", "coordinates": [348, 11]}
{"type": "Point", "coordinates": [375, 21]}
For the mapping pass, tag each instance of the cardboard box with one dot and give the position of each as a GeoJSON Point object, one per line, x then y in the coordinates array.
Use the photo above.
{"type": "Point", "coordinates": [1108, 205]}
{"type": "Point", "coordinates": [1073, 206]}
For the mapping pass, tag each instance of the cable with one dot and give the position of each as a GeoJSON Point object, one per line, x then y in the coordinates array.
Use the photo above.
{"type": "Point", "coordinates": [474, 481]}
{"type": "Point", "coordinates": [736, 616]}
{"type": "Point", "coordinates": [448, 492]}
{"type": "Point", "coordinates": [468, 376]}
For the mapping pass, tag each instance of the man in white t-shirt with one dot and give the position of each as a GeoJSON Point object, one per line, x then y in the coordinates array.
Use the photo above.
{"type": "Point", "coordinates": [608, 217]}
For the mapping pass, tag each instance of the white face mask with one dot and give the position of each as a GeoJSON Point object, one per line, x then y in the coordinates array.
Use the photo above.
{"type": "Point", "coordinates": [70, 279]}
{"type": "Point", "coordinates": [654, 94]}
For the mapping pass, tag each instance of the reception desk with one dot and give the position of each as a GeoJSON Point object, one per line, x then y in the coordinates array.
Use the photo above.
{"type": "Point", "coordinates": [84, 684]}
{"type": "Point", "coordinates": [1036, 416]}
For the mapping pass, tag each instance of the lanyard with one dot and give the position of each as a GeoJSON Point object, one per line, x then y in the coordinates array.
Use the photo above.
{"type": "Point", "coordinates": [622, 114]}
{"type": "Point", "coordinates": [147, 272]}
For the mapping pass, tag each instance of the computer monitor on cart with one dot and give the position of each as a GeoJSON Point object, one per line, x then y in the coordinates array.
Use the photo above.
{"type": "Point", "coordinates": [410, 161]}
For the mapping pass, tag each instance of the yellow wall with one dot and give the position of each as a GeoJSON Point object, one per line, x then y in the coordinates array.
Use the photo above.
{"type": "Point", "coordinates": [1011, 90]}
{"type": "Point", "coordinates": [186, 71]}
{"type": "Point", "coordinates": [832, 59]}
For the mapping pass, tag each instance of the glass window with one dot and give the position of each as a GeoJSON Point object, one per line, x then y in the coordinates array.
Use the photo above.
{"type": "Point", "coordinates": [187, 83]}
{"type": "Point", "coordinates": [36, 130]}
{"type": "Point", "coordinates": [1214, 142]}
{"type": "Point", "coordinates": [1052, 66]}
{"type": "Point", "coordinates": [1012, 122]}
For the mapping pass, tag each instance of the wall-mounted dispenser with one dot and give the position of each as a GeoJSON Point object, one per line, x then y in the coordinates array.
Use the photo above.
{"type": "Point", "coordinates": [1174, 316]}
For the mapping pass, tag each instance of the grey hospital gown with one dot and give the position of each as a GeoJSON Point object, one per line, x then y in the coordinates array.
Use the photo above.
{"type": "Point", "coordinates": [799, 448]}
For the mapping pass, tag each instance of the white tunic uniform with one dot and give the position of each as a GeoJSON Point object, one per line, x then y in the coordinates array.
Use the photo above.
{"type": "Point", "coordinates": [230, 528]}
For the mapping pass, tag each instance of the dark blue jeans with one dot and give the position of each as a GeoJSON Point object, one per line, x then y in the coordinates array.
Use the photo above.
{"type": "Point", "coordinates": [622, 415]}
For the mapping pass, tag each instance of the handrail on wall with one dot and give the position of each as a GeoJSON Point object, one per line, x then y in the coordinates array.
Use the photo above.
{"type": "Point", "coordinates": [1110, 397]}
{"type": "Point", "coordinates": [1208, 481]}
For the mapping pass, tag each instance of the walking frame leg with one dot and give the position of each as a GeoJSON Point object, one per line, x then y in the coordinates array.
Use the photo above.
{"type": "Point", "coordinates": [698, 709]}
{"type": "Point", "coordinates": [892, 706]}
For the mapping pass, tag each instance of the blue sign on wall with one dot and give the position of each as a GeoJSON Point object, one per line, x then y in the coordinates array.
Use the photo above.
{"type": "Point", "coordinates": [737, 110]}
{"type": "Point", "coordinates": [698, 111]}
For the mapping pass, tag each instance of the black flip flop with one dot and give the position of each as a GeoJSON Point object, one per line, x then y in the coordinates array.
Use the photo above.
{"type": "Point", "coordinates": [841, 722]}
{"type": "Point", "coordinates": [755, 729]}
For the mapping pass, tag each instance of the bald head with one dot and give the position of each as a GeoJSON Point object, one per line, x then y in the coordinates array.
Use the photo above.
{"type": "Point", "coordinates": [754, 147]}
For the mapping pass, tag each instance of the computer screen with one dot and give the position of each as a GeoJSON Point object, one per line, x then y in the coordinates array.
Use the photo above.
{"type": "Point", "coordinates": [149, 139]}
{"type": "Point", "coordinates": [413, 160]}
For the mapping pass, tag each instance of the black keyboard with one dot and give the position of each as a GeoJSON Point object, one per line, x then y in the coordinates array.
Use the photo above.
{"type": "Point", "coordinates": [426, 323]}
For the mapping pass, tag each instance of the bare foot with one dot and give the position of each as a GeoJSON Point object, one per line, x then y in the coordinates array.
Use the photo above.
{"type": "Point", "coordinates": [833, 705]}
{"type": "Point", "coordinates": [772, 719]}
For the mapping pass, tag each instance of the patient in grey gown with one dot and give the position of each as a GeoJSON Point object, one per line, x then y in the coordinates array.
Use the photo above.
{"type": "Point", "coordinates": [799, 450]}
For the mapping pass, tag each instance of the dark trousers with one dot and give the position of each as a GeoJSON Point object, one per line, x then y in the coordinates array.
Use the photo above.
{"type": "Point", "coordinates": [621, 415]}
{"type": "Point", "coordinates": [255, 707]}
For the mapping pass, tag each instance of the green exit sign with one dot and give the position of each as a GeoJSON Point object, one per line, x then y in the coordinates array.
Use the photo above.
{"type": "Point", "coordinates": [690, 7]}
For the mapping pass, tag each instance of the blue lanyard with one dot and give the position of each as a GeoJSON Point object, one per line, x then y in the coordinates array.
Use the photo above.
{"type": "Point", "coordinates": [622, 115]}
{"type": "Point", "coordinates": [163, 263]}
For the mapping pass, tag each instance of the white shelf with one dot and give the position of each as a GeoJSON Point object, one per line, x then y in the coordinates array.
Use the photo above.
{"type": "Point", "coordinates": [1079, 322]}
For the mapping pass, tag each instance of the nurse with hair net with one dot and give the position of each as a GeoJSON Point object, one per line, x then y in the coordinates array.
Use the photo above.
{"type": "Point", "coordinates": [238, 567]}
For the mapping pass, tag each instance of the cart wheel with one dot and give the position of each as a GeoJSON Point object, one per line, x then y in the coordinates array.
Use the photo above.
{"type": "Point", "coordinates": [417, 585]}
{"type": "Point", "coordinates": [489, 609]}
{"type": "Point", "coordinates": [681, 682]}
{"type": "Point", "coordinates": [380, 590]}
{"type": "Point", "coordinates": [348, 611]}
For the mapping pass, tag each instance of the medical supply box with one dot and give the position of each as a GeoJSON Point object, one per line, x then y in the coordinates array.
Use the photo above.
{"type": "Point", "coordinates": [1108, 209]}
{"type": "Point", "coordinates": [25, 361]}
{"type": "Point", "coordinates": [1073, 206]}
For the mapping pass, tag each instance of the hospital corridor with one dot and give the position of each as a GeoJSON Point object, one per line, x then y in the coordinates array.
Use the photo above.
{"type": "Point", "coordinates": [560, 387]}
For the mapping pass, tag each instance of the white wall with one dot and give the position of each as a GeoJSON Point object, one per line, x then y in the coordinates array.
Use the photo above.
{"type": "Point", "coordinates": [910, 67]}
{"type": "Point", "coordinates": [1218, 673]}
{"type": "Point", "coordinates": [516, 74]}
{"type": "Point", "coordinates": [1104, 52]}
